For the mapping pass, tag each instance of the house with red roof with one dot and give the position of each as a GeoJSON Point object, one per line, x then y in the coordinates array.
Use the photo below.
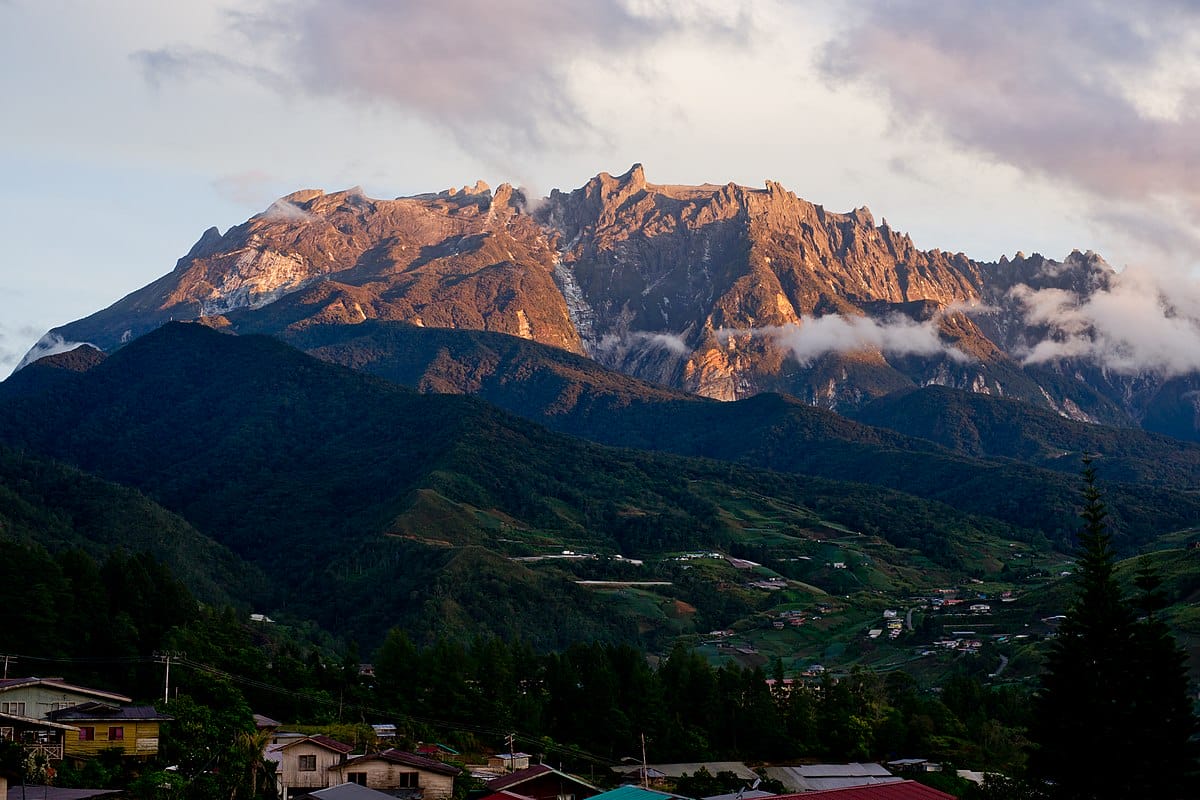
{"type": "Point", "coordinates": [303, 763]}
{"type": "Point", "coordinates": [900, 790]}
{"type": "Point", "coordinates": [400, 774]}
{"type": "Point", "coordinates": [540, 782]}
{"type": "Point", "coordinates": [63, 720]}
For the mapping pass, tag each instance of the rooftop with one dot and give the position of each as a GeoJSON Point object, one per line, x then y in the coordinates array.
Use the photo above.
{"type": "Point", "coordinates": [899, 790]}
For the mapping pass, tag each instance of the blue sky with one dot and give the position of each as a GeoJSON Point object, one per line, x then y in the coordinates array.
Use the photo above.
{"type": "Point", "coordinates": [132, 126]}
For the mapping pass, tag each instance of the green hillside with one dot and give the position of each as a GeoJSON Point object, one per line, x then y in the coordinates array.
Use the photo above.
{"type": "Point", "coordinates": [1009, 467]}
{"type": "Point", "coordinates": [369, 505]}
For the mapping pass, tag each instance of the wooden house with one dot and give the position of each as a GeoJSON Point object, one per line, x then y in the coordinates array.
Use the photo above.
{"type": "Point", "coordinates": [37, 737]}
{"type": "Point", "coordinates": [542, 782]}
{"type": "Point", "coordinates": [304, 763]}
{"type": "Point", "coordinates": [37, 697]}
{"type": "Point", "coordinates": [400, 773]}
{"type": "Point", "coordinates": [97, 727]}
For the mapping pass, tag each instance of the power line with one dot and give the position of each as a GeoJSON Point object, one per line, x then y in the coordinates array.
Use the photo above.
{"type": "Point", "coordinates": [181, 660]}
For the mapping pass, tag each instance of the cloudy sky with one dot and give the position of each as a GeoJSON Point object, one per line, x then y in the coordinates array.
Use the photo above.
{"type": "Point", "coordinates": [130, 126]}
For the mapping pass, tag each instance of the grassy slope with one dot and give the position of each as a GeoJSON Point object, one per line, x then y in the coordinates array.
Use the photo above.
{"type": "Point", "coordinates": [359, 497]}
{"type": "Point", "coordinates": [1025, 487]}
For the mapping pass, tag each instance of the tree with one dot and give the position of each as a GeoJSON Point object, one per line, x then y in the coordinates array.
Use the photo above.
{"type": "Point", "coordinates": [1094, 714]}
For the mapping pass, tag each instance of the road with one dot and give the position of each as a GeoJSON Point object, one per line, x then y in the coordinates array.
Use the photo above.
{"type": "Point", "coordinates": [999, 669]}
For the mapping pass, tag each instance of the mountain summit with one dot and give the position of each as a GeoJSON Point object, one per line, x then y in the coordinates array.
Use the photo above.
{"type": "Point", "coordinates": [721, 290]}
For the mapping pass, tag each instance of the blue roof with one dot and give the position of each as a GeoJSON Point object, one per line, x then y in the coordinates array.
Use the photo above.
{"type": "Point", "coordinates": [635, 793]}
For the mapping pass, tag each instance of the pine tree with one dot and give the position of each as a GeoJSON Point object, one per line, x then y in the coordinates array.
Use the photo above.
{"type": "Point", "coordinates": [1163, 709]}
{"type": "Point", "coordinates": [1096, 718]}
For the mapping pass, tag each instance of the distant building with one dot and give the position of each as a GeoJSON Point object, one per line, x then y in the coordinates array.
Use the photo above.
{"type": "Point", "coordinates": [510, 762]}
{"type": "Point", "coordinates": [820, 777]}
{"type": "Point", "coordinates": [540, 782]}
{"type": "Point", "coordinates": [400, 774]}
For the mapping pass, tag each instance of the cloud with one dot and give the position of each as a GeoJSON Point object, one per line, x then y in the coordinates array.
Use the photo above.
{"type": "Point", "coordinates": [12, 342]}
{"type": "Point", "coordinates": [165, 65]}
{"type": "Point", "coordinates": [1143, 321]}
{"type": "Point", "coordinates": [833, 333]}
{"type": "Point", "coordinates": [500, 74]}
{"type": "Point", "coordinates": [49, 345]}
{"type": "Point", "coordinates": [287, 211]}
{"type": "Point", "coordinates": [646, 340]}
{"type": "Point", "coordinates": [1101, 95]}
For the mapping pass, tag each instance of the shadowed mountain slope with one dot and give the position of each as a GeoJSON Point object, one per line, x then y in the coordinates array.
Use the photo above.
{"type": "Point", "coordinates": [358, 497]}
{"type": "Point", "coordinates": [575, 395]}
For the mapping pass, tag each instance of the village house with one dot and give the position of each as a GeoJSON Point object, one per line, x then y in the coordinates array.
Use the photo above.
{"type": "Point", "coordinates": [541, 782]}
{"type": "Point", "coordinates": [509, 762]}
{"type": "Point", "coordinates": [38, 738]}
{"type": "Point", "coordinates": [303, 763]}
{"type": "Point", "coordinates": [421, 778]}
{"type": "Point", "coordinates": [75, 721]}
{"type": "Point", "coordinates": [100, 727]}
{"type": "Point", "coordinates": [36, 697]}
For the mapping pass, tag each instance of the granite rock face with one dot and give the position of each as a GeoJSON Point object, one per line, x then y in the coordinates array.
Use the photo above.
{"type": "Point", "coordinates": [721, 290]}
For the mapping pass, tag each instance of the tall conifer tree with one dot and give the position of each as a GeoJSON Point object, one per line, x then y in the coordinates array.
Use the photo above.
{"type": "Point", "coordinates": [1098, 717]}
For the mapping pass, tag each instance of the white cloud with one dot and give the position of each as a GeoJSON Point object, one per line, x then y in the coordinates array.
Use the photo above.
{"type": "Point", "coordinates": [495, 75]}
{"type": "Point", "coordinates": [1144, 321]}
{"type": "Point", "coordinates": [285, 210]}
{"type": "Point", "coordinates": [833, 333]}
{"type": "Point", "coordinates": [1099, 96]}
{"type": "Point", "coordinates": [49, 345]}
{"type": "Point", "coordinates": [672, 343]}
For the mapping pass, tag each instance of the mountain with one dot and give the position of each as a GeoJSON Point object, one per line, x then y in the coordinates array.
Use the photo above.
{"type": "Point", "coordinates": [59, 508]}
{"type": "Point", "coordinates": [1148, 478]}
{"type": "Point", "coordinates": [982, 425]}
{"type": "Point", "coordinates": [722, 291]}
{"type": "Point", "coordinates": [365, 504]}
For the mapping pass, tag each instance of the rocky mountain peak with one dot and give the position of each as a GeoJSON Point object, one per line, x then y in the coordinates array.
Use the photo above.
{"type": "Point", "coordinates": [719, 289]}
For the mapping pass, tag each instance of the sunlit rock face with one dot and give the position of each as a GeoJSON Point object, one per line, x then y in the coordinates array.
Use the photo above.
{"type": "Point", "coordinates": [722, 290]}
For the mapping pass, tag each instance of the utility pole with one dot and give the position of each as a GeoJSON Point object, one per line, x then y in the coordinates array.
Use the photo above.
{"type": "Point", "coordinates": [512, 761]}
{"type": "Point", "coordinates": [6, 660]}
{"type": "Point", "coordinates": [165, 656]}
{"type": "Point", "coordinates": [645, 769]}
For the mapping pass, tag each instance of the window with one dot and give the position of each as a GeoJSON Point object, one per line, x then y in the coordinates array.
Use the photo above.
{"type": "Point", "coordinates": [116, 734]}
{"type": "Point", "coordinates": [409, 780]}
{"type": "Point", "coordinates": [308, 763]}
{"type": "Point", "coordinates": [87, 734]}
{"type": "Point", "coordinates": [61, 706]}
{"type": "Point", "coordinates": [14, 708]}
{"type": "Point", "coordinates": [357, 777]}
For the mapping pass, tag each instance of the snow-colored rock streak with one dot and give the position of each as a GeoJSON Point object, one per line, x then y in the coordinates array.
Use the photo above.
{"type": "Point", "coordinates": [255, 278]}
{"type": "Point", "coordinates": [583, 317]}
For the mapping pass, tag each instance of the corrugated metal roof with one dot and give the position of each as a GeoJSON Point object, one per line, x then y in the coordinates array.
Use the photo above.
{"type": "Point", "coordinates": [635, 793]}
{"type": "Point", "coordinates": [815, 777]}
{"type": "Point", "coordinates": [320, 739]}
{"type": "Point", "coordinates": [409, 760]}
{"type": "Point", "coordinates": [55, 793]}
{"type": "Point", "coordinates": [59, 683]}
{"type": "Point", "coordinates": [749, 794]}
{"type": "Point", "coordinates": [691, 768]}
{"type": "Point", "coordinates": [36, 723]}
{"type": "Point", "coordinates": [505, 794]}
{"type": "Point", "coordinates": [840, 770]}
{"type": "Point", "coordinates": [900, 790]}
{"type": "Point", "coordinates": [520, 776]}
{"type": "Point", "coordinates": [823, 784]}
{"type": "Point", "coordinates": [347, 791]}
{"type": "Point", "coordinates": [104, 713]}
{"type": "Point", "coordinates": [529, 773]}
{"type": "Point", "coordinates": [331, 743]}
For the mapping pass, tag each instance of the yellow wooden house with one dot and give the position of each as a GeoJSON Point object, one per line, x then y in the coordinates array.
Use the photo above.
{"type": "Point", "coordinates": [134, 730]}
